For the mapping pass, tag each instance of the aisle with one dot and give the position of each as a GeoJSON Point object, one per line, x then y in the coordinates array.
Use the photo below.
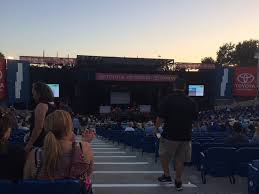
{"type": "Point", "coordinates": [119, 170]}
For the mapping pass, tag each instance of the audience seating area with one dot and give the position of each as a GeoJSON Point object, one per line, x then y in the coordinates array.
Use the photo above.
{"type": "Point", "coordinates": [17, 136]}
{"type": "Point", "coordinates": [43, 187]}
{"type": "Point", "coordinates": [137, 139]}
{"type": "Point", "coordinates": [253, 177]}
{"type": "Point", "coordinates": [209, 153]}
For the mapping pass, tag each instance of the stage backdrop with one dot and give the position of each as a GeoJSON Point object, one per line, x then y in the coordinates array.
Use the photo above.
{"type": "Point", "coordinates": [245, 81]}
{"type": "Point", "coordinates": [3, 89]}
{"type": "Point", "coordinates": [18, 81]}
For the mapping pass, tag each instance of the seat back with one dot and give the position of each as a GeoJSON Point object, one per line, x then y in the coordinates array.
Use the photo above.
{"type": "Point", "coordinates": [253, 177]}
{"type": "Point", "coordinates": [206, 146]}
{"type": "Point", "coordinates": [219, 161]}
{"type": "Point", "coordinates": [7, 187]}
{"type": "Point", "coordinates": [243, 157]}
{"type": "Point", "coordinates": [196, 149]}
{"type": "Point", "coordinates": [48, 187]}
{"type": "Point", "coordinates": [149, 144]}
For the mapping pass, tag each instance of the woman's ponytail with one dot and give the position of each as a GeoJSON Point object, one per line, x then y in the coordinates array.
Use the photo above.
{"type": "Point", "coordinates": [51, 149]}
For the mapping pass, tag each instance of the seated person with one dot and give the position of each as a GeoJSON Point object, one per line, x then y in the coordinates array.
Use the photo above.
{"type": "Point", "coordinates": [12, 157]}
{"type": "Point", "coordinates": [149, 128]}
{"type": "Point", "coordinates": [238, 136]}
{"type": "Point", "coordinates": [130, 127]}
{"type": "Point", "coordinates": [88, 135]}
{"type": "Point", "coordinates": [255, 139]}
{"type": "Point", "coordinates": [76, 125]}
{"type": "Point", "coordinates": [60, 157]}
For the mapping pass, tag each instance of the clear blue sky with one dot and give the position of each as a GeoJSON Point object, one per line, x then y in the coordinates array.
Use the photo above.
{"type": "Point", "coordinates": [185, 30]}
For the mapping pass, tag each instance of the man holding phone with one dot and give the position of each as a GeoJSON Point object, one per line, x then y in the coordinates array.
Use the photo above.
{"type": "Point", "coordinates": [178, 112]}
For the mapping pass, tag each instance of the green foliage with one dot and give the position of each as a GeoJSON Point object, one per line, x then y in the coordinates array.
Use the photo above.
{"type": "Point", "coordinates": [208, 60]}
{"type": "Point", "coordinates": [1, 56]}
{"type": "Point", "coordinates": [242, 54]}
{"type": "Point", "coordinates": [225, 54]}
{"type": "Point", "coordinates": [245, 53]}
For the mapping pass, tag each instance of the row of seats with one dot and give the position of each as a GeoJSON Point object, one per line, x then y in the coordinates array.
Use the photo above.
{"type": "Point", "coordinates": [197, 148]}
{"type": "Point", "coordinates": [215, 159]}
{"type": "Point", "coordinates": [17, 136]}
{"type": "Point", "coordinates": [253, 177]}
{"type": "Point", "coordinates": [43, 187]}
{"type": "Point", "coordinates": [138, 140]}
{"type": "Point", "coordinates": [227, 162]}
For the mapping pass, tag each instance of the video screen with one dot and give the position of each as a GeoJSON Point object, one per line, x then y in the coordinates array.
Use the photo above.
{"type": "Point", "coordinates": [55, 89]}
{"type": "Point", "coordinates": [196, 90]}
{"type": "Point", "coordinates": [120, 98]}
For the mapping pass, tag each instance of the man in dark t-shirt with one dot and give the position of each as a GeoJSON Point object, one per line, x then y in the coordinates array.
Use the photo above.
{"type": "Point", "coordinates": [178, 112]}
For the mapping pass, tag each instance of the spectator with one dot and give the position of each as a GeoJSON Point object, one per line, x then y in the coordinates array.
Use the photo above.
{"type": "Point", "coordinates": [178, 112]}
{"type": "Point", "coordinates": [76, 125]}
{"type": "Point", "coordinates": [43, 96]}
{"type": "Point", "coordinates": [60, 157]}
{"type": "Point", "coordinates": [12, 157]}
{"type": "Point", "coordinates": [255, 139]}
{"type": "Point", "coordinates": [130, 127]}
{"type": "Point", "coordinates": [149, 129]}
{"type": "Point", "coordinates": [238, 136]}
{"type": "Point", "coordinates": [88, 135]}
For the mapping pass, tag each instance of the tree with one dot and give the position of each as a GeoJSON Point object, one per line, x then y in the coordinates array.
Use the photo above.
{"type": "Point", "coordinates": [245, 52]}
{"type": "Point", "coordinates": [226, 54]}
{"type": "Point", "coordinates": [208, 60]}
{"type": "Point", "coordinates": [1, 56]}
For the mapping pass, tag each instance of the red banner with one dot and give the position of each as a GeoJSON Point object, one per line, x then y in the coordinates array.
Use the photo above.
{"type": "Point", "coordinates": [245, 81]}
{"type": "Point", "coordinates": [135, 77]}
{"type": "Point", "coordinates": [3, 89]}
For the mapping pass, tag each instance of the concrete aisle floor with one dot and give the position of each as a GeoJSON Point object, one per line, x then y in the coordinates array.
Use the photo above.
{"type": "Point", "coordinates": [120, 170]}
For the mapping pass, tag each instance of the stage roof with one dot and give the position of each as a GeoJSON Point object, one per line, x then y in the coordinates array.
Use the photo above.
{"type": "Point", "coordinates": [99, 60]}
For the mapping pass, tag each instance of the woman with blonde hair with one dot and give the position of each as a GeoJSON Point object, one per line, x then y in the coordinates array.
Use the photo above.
{"type": "Point", "coordinates": [60, 157]}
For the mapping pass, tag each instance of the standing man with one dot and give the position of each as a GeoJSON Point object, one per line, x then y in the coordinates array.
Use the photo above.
{"type": "Point", "coordinates": [178, 112]}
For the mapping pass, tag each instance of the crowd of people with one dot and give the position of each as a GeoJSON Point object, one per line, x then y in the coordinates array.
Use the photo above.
{"type": "Point", "coordinates": [52, 150]}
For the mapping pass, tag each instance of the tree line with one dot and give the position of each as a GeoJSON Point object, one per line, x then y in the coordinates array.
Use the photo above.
{"type": "Point", "coordinates": [242, 54]}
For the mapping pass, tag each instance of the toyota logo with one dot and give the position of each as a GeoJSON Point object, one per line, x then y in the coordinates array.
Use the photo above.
{"type": "Point", "coordinates": [245, 78]}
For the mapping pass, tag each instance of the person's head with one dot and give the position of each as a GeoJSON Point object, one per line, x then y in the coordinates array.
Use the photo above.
{"type": "Point", "coordinates": [59, 126]}
{"type": "Point", "coordinates": [256, 126]}
{"type": "Point", "coordinates": [42, 92]}
{"type": "Point", "coordinates": [237, 127]}
{"type": "Point", "coordinates": [131, 124]}
{"type": "Point", "coordinates": [88, 134]}
{"type": "Point", "coordinates": [179, 85]}
{"type": "Point", "coordinates": [5, 127]}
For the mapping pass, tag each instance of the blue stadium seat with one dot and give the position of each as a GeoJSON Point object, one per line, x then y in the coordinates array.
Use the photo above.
{"type": "Point", "coordinates": [149, 144]}
{"type": "Point", "coordinates": [116, 136]}
{"type": "Point", "coordinates": [243, 157]}
{"type": "Point", "coordinates": [206, 146]}
{"type": "Point", "coordinates": [253, 177]}
{"type": "Point", "coordinates": [129, 136]}
{"type": "Point", "coordinates": [7, 187]}
{"type": "Point", "coordinates": [49, 187]}
{"type": "Point", "coordinates": [218, 162]}
{"type": "Point", "coordinates": [196, 149]}
{"type": "Point", "coordinates": [137, 140]}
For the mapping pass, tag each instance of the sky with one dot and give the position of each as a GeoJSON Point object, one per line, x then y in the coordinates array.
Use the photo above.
{"type": "Point", "coordinates": [184, 30]}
